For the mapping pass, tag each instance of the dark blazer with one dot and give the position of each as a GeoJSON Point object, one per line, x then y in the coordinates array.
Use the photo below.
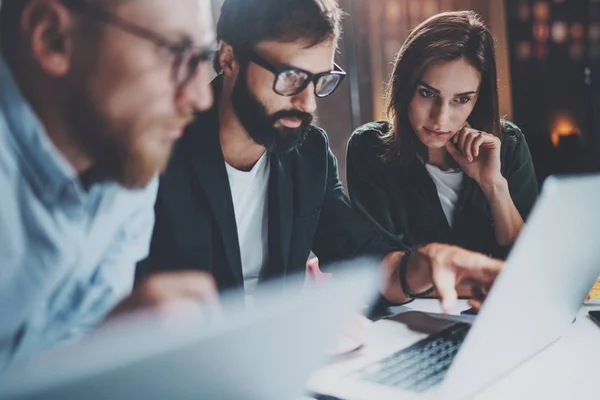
{"type": "Point", "coordinates": [404, 204]}
{"type": "Point", "coordinates": [308, 210]}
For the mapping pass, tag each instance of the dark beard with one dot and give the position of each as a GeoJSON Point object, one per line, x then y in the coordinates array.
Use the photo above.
{"type": "Point", "coordinates": [261, 126]}
{"type": "Point", "coordinates": [116, 153]}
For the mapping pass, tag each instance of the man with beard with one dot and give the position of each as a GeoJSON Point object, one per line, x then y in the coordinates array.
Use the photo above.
{"type": "Point", "coordinates": [253, 187]}
{"type": "Point", "coordinates": [93, 94]}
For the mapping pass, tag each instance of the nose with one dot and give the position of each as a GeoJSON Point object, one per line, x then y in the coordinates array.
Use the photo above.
{"type": "Point", "coordinates": [197, 94]}
{"type": "Point", "coordinates": [440, 116]}
{"type": "Point", "coordinates": [305, 100]}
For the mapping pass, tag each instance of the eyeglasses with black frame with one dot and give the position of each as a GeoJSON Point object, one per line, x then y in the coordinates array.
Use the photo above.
{"type": "Point", "coordinates": [291, 81]}
{"type": "Point", "coordinates": [186, 56]}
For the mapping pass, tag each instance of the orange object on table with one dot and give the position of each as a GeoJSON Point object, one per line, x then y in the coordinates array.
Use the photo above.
{"type": "Point", "coordinates": [594, 295]}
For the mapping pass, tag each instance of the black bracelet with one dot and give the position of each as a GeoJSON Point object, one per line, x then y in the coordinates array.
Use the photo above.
{"type": "Point", "coordinates": [402, 276]}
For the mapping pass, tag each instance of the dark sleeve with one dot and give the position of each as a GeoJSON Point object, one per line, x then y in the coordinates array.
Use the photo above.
{"type": "Point", "coordinates": [342, 232]}
{"type": "Point", "coordinates": [518, 170]}
{"type": "Point", "coordinates": [345, 232]}
{"type": "Point", "coordinates": [363, 173]}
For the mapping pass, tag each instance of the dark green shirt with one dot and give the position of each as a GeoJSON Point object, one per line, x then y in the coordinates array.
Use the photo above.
{"type": "Point", "coordinates": [404, 203]}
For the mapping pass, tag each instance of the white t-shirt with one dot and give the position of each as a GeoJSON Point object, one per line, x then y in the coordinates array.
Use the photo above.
{"type": "Point", "coordinates": [448, 184]}
{"type": "Point", "coordinates": [250, 203]}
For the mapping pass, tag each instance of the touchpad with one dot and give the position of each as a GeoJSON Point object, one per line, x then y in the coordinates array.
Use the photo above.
{"type": "Point", "coordinates": [428, 322]}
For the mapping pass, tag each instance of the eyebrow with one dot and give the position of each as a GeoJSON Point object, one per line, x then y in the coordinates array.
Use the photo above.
{"type": "Point", "coordinates": [286, 67]}
{"type": "Point", "coordinates": [421, 83]}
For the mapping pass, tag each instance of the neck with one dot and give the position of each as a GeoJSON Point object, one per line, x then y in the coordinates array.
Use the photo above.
{"type": "Point", "coordinates": [45, 100]}
{"type": "Point", "coordinates": [239, 150]}
{"type": "Point", "coordinates": [441, 158]}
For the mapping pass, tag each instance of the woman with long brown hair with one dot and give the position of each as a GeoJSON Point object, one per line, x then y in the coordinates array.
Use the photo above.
{"type": "Point", "coordinates": [444, 167]}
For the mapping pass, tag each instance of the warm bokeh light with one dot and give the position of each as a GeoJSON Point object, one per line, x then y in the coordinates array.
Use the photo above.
{"type": "Point", "coordinates": [560, 32]}
{"type": "Point", "coordinates": [541, 51]}
{"type": "Point", "coordinates": [523, 51]}
{"type": "Point", "coordinates": [541, 31]}
{"type": "Point", "coordinates": [577, 51]}
{"type": "Point", "coordinates": [415, 10]}
{"type": "Point", "coordinates": [563, 126]}
{"type": "Point", "coordinates": [577, 31]}
{"type": "Point", "coordinates": [393, 12]}
{"type": "Point", "coordinates": [430, 7]}
{"type": "Point", "coordinates": [541, 11]}
{"type": "Point", "coordinates": [594, 32]}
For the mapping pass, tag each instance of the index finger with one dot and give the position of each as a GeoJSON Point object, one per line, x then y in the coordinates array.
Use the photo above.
{"type": "Point", "coordinates": [444, 280]}
{"type": "Point", "coordinates": [458, 156]}
{"type": "Point", "coordinates": [478, 267]}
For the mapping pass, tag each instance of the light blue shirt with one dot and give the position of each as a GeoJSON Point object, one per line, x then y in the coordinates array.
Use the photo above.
{"type": "Point", "coordinates": [67, 255]}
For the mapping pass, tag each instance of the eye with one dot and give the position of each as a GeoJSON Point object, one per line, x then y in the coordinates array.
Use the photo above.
{"type": "Point", "coordinates": [463, 100]}
{"type": "Point", "coordinates": [426, 93]}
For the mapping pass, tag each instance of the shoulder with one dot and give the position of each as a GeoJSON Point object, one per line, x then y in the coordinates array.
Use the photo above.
{"type": "Point", "coordinates": [314, 147]}
{"type": "Point", "coordinates": [369, 135]}
{"type": "Point", "coordinates": [367, 144]}
{"type": "Point", "coordinates": [316, 137]}
{"type": "Point", "coordinates": [514, 144]}
{"type": "Point", "coordinates": [511, 133]}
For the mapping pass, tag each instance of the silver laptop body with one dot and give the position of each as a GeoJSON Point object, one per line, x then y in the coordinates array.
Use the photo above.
{"type": "Point", "coordinates": [547, 275]}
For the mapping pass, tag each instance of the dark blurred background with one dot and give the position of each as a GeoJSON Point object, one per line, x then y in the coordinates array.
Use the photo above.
{"type": "Point", "coordinates": [548, 56]}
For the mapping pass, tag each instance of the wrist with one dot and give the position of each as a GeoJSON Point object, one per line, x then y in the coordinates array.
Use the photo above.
{"type": "Point", "coordinates": [414, 276]}
{"type": "Point", "coordinates": [494, 189]}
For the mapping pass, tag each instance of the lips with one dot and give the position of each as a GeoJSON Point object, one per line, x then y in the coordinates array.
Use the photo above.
{"type": "Point", "coordinates": [435, 133]}
{"type": "Point", "coordinates": [291, 122]}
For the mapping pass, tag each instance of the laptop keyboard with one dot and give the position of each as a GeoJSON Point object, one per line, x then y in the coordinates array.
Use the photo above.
{"type": "Point", "coordinates": [421, 366]}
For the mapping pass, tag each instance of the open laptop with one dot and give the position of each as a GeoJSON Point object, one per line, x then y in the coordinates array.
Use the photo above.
{"type": "Point", "coordinates": [536, 297]}
{"type": "Point", "coordinates": [266, 353]}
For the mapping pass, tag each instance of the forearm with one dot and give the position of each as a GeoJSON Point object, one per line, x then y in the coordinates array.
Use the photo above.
{"type": "Point", "coordinates": [507, 220]}
{"type": "Point", "coordinates": [446, 265]}
{"type": "Point", "coordinates": [418, 277]}
{"type": "Point", "coordinates": [391, 288]}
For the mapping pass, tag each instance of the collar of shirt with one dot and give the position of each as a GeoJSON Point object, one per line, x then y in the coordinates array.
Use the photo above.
{"type": "Point", "coordinates": [49, 172]}
{"type": "Point", "coordinates": [451, 170]}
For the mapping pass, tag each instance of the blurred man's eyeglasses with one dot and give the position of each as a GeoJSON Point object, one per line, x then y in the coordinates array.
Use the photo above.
{"type": "Point", "coordinates": [186, 56]}
{"type": "Point", "coordinates": [291, 81]}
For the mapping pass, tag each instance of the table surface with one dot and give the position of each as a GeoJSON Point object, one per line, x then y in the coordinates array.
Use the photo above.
{"type": "Point", "coordinates": [567, 369]}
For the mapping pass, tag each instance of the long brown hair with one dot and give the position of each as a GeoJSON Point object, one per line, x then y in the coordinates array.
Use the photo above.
{"type": "Point", "coordinates": [444, 37]}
